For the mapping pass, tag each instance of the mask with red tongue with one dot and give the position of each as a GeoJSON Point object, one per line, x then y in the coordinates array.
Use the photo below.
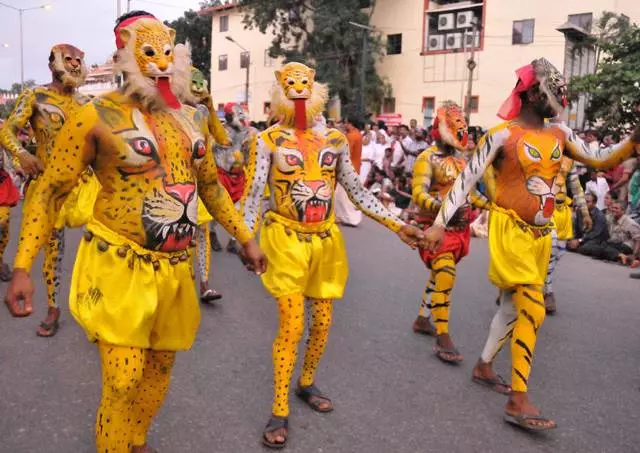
{"type": "Point", "coordinates": [164, 88]}
{"type": "Point", "coordinates": [548, 207]}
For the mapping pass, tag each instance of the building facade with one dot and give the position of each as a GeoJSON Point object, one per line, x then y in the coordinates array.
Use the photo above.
{"type": "Point", "coordinates": [429, 43]}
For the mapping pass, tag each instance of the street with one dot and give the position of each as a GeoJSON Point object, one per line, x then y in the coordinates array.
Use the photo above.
{"type": "Point", "coordinates": [390, 393]}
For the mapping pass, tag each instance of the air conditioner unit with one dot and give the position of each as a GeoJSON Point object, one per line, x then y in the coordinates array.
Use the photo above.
{"type": "Point", "coordinates": [464, 19]}
{"type": "Point", "coordinates": [453, 41]}
{"type": "Point", "coordinates": [471, 40]}
{"type": "Point", "coordinates": [446, 21]}
{"type": "Point", "coordinates": [435, 42]}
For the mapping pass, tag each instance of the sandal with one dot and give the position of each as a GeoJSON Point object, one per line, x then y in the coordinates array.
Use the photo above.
{"type": "Point", "coordinates": [522, 421]}
{"type": "Point", "coordinates": [314, 398]}
{"type": "Point", "coordinates": [493, 383]}
{"type": "Point", "coordinates": [443, 354]}
{"type": "Point", "coordinates": [274, 424]}
{"type": "Point", "coordinates": [210, 295]}
{"type": "Point", "coordinates": [50, 329]}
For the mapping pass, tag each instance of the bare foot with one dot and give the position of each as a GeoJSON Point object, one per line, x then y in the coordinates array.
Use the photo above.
{"type": "Point", "coordinates": [423, 326]}
{"type": "Point", "coordinates": [624, 259]}
{"type": "Point", "coordinates": [49, 327]}
{"type": "Point", "coordinates": [483, 374]}
{"type": "Point", "coordinates": [519, 406]}
{"type": "Point", "coordinates": [550, 304]}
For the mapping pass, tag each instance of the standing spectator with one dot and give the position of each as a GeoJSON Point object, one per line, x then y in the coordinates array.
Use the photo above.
{"type": "Point", "coordinates": [634, 191]}
{"type": "Point", "coordinates": [368, 152]}
{"type": "Point", "coordinates": [420, 144]}
{"type": "Point", "coordinates": [598, 186]}
{"type": "Point", "coordinates": [387, 166]}
{"type": "Point", "coordinates": [345, 211]}
{"type": "Point", "coordinates": [413, 127]}
{"type": "Point", "coordinates": [379, 151]}
{"type": "Point", "coordinates": [622, 185]}
{"type": "Point", "coordinates": [399, 135]}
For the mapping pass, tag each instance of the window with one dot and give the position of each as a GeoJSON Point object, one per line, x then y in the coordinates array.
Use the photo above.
{"type": "Point", "coordinates": [394, 44]}
{"type": "Point", "coordinates": [428, 110]}
{"type": "Point", "coordinates": [583, 21]}
{"type": "Point", "coordinates": [266, 108]}
{"type": "Point", "coordinates": [245, 59]}
{"type": "Point", "coordinates": [268, 61]}
{"type": "Point", "coordinates": [224, 23]}
{"type": "Point", "coordinates": [475, 102]}
{"type": "Point", "coordinates": [523, 31]}
{"type": "Point", "coordinates": [389, 105]}
{"type": "Point", "coordinates": [220, 107]}
{"type": "Point", "coordinates": [222, 63]}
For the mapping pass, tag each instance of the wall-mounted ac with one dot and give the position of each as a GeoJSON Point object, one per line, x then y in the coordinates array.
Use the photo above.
{"type": "Point", "coordinates": [464, 19]}
{"type": "Point", "coordinates": [446, 21]}
{"type": "Point", "coordinates": [471, 40]}
{"type": "Point", "coordinates": [435, 42]}
{"type": "Point", "coordinates": [453, 41]}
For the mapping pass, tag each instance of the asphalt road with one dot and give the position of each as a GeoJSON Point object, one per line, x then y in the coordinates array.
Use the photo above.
{"type": "Point", "coordinates": [391, 394]}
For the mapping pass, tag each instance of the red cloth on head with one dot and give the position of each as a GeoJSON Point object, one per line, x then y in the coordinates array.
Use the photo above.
{"type": "Point", "coordinates": [511, 106]}
{"type": "Point", "coordinates": [9, 194]}
{"type": "Point", "coordinates": [124, 23]}
{"type": "Point", "coordinates": [233, 182]}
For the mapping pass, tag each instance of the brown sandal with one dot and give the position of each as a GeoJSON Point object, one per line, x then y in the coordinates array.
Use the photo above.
{"type": "Point", "coordinates": [274, 424]}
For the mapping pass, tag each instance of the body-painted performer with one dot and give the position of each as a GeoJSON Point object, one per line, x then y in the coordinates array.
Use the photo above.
{"type": "Point", "coordinates": [46, 109]}
{"type": "Point", "coordinates": [563, 223]}
{"type": "Point", "coordinates": [201, 99]}
{"type": "Point", "coordinates": [523, 156]}
{"type": "Point", "coordinates": [434, 172]}
{"type": "Point", "coordinates": [9, 197]}
{"type": "Point", "coordinates": [307, 257]}
{"type": "Point", "coordinates": [231, 159]}
{"type": "Point", "coordinates": [132, 287]}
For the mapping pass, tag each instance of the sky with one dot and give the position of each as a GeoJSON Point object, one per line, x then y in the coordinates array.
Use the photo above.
{"type": "Point", "coordinates": [87, 24]}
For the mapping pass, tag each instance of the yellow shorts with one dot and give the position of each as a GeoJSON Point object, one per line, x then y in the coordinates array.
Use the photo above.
{"type": "Point", "coordinates": [125, 295]}
{"type": "Point", "coordinates": [564, 222]}
{"type": "Point", "coordinates": [77, 209]}
{"type": "Point", "coordinates": [203, 214]}
{"type": "Point", "coordinates": [518, 255]}
{"type": "Point", "coordinates": [303, 258]}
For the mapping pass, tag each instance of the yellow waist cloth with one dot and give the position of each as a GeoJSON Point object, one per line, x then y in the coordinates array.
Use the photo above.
{"type": "Point", "coordinates": [563, 219]}
{"type": "Point", "coordinates": [203, 214]}
{"type": "Point", "coordinates": [308, 259]}
{"type": "Point", "coordinates": [77, 209]}
{"type": "Point", "coordinates": [519, 252]}
{"type": "Point", "coordinates": [126, 295]}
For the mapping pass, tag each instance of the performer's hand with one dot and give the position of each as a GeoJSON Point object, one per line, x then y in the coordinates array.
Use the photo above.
{"type": "Point", "coordinates": [411, 235]}
{"type": "Point", "coordinates": [253, 258]}
{"type": "Point", "coordinates": [19, 294]}
{"type": "Point", "coordinates": [587, 223]}
{"type": "Point", "coordinates": [30, 164]}
{"type": "Point", "coordinates": [433, 237]}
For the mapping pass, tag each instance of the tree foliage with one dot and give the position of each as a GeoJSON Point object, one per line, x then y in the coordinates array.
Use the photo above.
{"type": "Point", "coordinates": [16, 88]}
{"type": "Point", "coordinates": [613, 91]}
{"type": "Point", "coordinates": [197, 30]}
{"type": "Point", "coordinates": [318, 33]}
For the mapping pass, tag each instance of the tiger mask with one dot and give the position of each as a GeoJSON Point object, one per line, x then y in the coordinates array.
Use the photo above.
{"type": "Point", "coordinates": [66, 63]}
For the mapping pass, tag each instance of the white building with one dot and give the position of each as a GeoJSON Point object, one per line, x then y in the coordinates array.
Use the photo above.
{"type": "Point", "coordinates": [428, 45]}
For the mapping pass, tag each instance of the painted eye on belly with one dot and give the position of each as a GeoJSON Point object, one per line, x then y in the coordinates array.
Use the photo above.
{"type": "Point", "coordinates": [199, 150]}
{"type": "Point", "coordinates": [293, 160]}
{"type": "Point", "coordinates": [142, 146]}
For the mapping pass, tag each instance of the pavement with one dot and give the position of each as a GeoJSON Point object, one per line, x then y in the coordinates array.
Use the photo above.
{"type": "Point", "coordinates": [390, 393]}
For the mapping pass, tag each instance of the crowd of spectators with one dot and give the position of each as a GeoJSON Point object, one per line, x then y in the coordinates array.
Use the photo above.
{"type": "Point", "coordinates": [613, 197]}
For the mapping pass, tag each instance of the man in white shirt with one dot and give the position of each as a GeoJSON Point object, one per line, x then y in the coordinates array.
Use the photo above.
{"type": "Point", "coordinates": [598, 185]}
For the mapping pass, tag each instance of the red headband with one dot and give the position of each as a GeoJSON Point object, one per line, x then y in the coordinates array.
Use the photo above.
{"type": "Point", "coordinates": [526, 80]}
{"type": "Point", "coordinates": [125, 23]}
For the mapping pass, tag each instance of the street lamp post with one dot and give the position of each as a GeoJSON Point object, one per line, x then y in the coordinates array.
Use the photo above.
{"type": "Point", "coordinates": [363, 68]}
{"type": "Point", "coordinates": [246, 84]}
{"type": "Point", "coordinates": [20, 12]}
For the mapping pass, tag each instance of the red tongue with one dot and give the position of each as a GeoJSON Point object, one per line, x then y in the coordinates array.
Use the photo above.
{"type": "Point", "coordinates": [173, 244]}
{"type": "Point", "coordinates": [301, 113]}
{"type": "Point", "coordinates": [164, 87]}
{"type": "Point", "coordinates": [549, 206]}
{"type": "Point", "coordinates": [315, 213]}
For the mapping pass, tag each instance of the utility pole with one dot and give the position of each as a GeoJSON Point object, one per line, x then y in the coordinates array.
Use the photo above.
{"type": "Point", "coordinates": [246, 83]}
{"type": "Point", "coordinates": [363, 77]}
{"type": "Point", "coordinates": [471, 65]}
{"type": "Point", "coordinates": [128, 6]}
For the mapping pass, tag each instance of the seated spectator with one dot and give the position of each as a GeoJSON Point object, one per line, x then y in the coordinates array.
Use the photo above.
{"type": "Point", "coordinates": [381, 187]}
{"type": "Point", "coordinates": [401, 193]}
{"type": "Point", "coordinates": [598, 186]}
{"type": "Point", "coordinates": [598, 233]}
{"type": "Point", "coordinates": [623, 244]}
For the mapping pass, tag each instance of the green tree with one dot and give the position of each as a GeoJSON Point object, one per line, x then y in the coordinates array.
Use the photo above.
{"type": "Point", "coordinates": [318, 32]}
{"type": "Point", "coordinates": [197, 30]}
{"type": "Point", "coordinates": [613, 92]}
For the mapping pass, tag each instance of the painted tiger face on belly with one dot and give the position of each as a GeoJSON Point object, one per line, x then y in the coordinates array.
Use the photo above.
{"type": "Point", "coordinates": [303, 176]}
{"type": "Point", "coordinates": [157, 155]}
